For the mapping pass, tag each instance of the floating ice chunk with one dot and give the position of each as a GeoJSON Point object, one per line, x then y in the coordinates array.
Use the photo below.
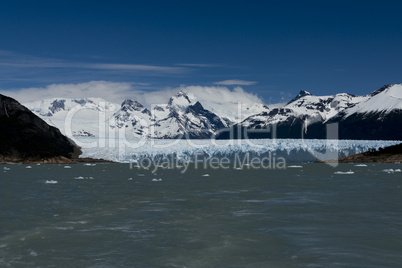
{"type": "Point", "coordinates": [361, 165]}
{"type": "Point", "coordinates": [83, 178]}
{"type": "Point", "coordinates": [140, 175]}
{"type": "Point", "coordinates": [28, 167]}
{"type": "Point", "coordinates": [157, 179]}
{"type": "Point", "coordinates": [239, 168]}
{"type": "Point", "coordinates": [390, 170]}
{"type": "Point", "coordinates": [344, 172]}
{"type": "Point", "coordinates": [67, 167]}
{"type": "Point", "coordinates": [33, 253]}
{"type": "Point", "coordinates": [205, 175]}
{"type": "Point", "coordinates": [130, 179]}
{"type": "Point", "coordinates": [295, 166]}
{"type": "Point", "coordinates": [51, 181]}
{"type": "Point", "coordinates": [397, 170]}
{"type": "Point", "coordinates": [6, 168]}
{"type": "Point", "coordinates": [89, 164]}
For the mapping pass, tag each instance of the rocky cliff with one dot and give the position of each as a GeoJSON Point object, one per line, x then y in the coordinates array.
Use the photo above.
{"type": "Point", "coordinates": [24, 136]}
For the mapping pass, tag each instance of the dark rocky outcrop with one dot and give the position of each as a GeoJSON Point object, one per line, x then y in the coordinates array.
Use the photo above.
{"type": "Point", "coordinates": [391, 154]}
{"type": "Point", "coordinates": [24, 136]}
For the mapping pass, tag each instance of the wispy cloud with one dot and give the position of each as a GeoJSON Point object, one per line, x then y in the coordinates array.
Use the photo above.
{"type": "Point", "coordinates": [135, 67]}
{"type": "Point", "coordinates": [111, 91]}
{"type": "Point", "coordinates": [235, 82]}
{"type": "Point", "coordinates": [118, 91]}
{"type": "Point", "coordinates": [201, 65]}
{"type": "Point", "coordinates": [11, 59]}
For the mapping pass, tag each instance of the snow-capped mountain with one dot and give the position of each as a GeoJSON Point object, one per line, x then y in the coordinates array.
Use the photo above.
{"type": "Point", "coordinates": [378, 116]}
{"type": "Point", "coordinates": [132, 116]}
{"type": "Point", "coordinates": [371, 116]}
{"type": "Point", "coordinates": [232, 111]}
{"type": "Point", "coordinates": [178, 118]}
{"type": "Point", "coordinates": [384, 100]}
{"type": "Point", "coordinates": [304, 109]}
{"type": "Point", "coordinates": [75, 117]}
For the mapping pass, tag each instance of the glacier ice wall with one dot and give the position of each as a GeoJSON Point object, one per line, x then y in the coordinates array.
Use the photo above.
{"type": "Point", "coordinates": [293, 150]}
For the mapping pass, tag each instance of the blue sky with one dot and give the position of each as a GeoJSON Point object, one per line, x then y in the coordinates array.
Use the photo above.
{"type": "Point", "coordinates": [272, 49]}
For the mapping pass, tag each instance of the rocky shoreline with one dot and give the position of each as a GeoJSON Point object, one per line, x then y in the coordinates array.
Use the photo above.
{"type": "Point", "coordinates": [392, 154]}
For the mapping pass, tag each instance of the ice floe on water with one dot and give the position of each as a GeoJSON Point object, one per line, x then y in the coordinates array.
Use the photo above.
{"type": "Point", "coordinates": [28, 167]}
{"type": "Point", "coordinates": [344, 172]}
{"type": "Point", "coordinates": [361, 165]}
{"type": "Point", "coordinates": [6, 168]}
{"type": "Point", "coordinates": [51, 181]}
{"type": "Point", "coordinates": [294, 166]}
{"type": "Point", "coordinates": [33, 253]}
{"type": "Point", "coordinates": [83, 178]}
{"type": "Point", "coordinates": [67, 166]}
{"type": "Point", "coordinates": [205, 175]}
{"type": "Point", "coordinates": [294, 150]}
{"type": "Point", "coordinates": [390, 170]}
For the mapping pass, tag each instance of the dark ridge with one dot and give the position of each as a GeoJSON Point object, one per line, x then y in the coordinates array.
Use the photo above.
{"type": "Point", "coordinates": [23, 135]}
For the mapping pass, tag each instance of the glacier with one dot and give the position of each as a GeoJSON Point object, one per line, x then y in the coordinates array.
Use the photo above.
{"type": "Point", "coordinates": [292, 150]}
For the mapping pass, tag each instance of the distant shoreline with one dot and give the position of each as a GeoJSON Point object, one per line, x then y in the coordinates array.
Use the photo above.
{"type": "Point", "coordinates": [391, 154]}
{"type": "Point", "coordinates": [55, 160]}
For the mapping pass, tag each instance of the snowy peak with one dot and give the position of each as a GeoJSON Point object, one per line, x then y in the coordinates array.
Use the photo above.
{"type": "Point", "coordinates": [184, 119]}
{"type": "Point", "coordinates": [131, 105]}
{"type": "Point", "coordinates": [180, 99]}
{"type": "Point", "coordinates": [324, 107]}
{"type": "Point", "coordinates": [384, 100]}
{"type": "Point", "coordinates": [301, 94]}
{"type": "Point", "coordinates": [179, 118]}
{"type": "Point", "coordinates": [381, 89]}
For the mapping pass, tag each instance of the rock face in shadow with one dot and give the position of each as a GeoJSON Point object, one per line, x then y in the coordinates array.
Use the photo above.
{"type": "Point", "coordinates": [23, 135]}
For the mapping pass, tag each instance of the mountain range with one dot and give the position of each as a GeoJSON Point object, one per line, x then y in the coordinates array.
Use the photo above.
{"type": "Point", "coordinates": [373, 116]}
{"type": "Point", "coordinates": [377, 115]}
